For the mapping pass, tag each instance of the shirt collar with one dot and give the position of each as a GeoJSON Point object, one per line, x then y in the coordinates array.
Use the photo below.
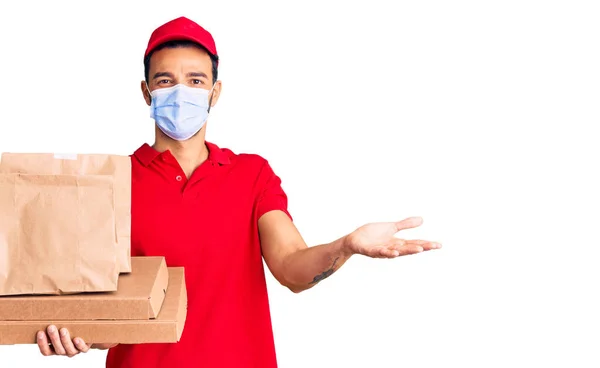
{"type": "Point", "coordinates": [216, 154]}
{"type": "Point", "coordinates": [146, 154]}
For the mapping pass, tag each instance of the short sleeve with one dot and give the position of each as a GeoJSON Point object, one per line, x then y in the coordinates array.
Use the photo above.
{"type": "Point", "coordinates": [271, 195]}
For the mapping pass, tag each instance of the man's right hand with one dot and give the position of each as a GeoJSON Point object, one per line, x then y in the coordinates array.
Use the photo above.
{"type": "Point", "coordinates": [59, 342]}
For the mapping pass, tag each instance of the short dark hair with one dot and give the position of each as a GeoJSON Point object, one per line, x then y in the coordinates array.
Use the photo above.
{"type": "Point", "coordinates": [180, 43]}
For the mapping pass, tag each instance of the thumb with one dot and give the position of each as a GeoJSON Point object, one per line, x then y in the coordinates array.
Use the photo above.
{"type": "Point", "coordinates": [409, 223]}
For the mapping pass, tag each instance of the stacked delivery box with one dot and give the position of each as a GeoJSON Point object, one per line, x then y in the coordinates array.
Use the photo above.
{"type": "Point", "coordinates": [65, 257]}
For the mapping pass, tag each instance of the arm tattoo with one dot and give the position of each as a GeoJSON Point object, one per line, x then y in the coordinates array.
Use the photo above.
{"type": "Point", "coordinates": [322, 276]}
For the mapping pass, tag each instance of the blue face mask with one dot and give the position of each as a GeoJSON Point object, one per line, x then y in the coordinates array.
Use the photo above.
{"type": "Point", "coordinates": [180, 111]}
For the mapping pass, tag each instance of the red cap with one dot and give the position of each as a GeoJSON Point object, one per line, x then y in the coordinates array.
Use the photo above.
{"type": "Point", "coordinates": [181, 29]}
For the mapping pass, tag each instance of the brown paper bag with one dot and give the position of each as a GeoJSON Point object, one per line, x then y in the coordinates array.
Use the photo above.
{"type": "Point", "coordinates": [57, 234]}
{"type": "Point", "coordinates": [116, 166]}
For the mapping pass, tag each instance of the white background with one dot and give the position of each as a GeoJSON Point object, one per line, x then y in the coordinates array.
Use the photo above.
{"type": "Point", "coordinates": [479, 116]}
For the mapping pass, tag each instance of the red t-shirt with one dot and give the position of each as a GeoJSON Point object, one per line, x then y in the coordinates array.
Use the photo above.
{"type": "Point", "coordinates": [209, 225]}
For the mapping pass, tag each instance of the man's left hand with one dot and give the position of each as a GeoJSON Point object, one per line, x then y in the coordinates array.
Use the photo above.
{"type": "Point", "coordinates": [378, 240]}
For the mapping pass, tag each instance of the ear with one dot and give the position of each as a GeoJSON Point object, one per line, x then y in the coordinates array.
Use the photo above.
{"type": "Point", "coordinates": [146, 93]}
{"type": "Point", "coordinates": [216, 93]}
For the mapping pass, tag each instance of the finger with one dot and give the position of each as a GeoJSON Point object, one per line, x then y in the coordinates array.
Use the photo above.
{"type": "Point", "coordinates": [55, 340]}
{"type": "Point", "coordinates": [427, 245]}
{"type": "Point", "coordinates": [42, 341]}
{"type": "Point", "coordinates": [407, 249]}
{"type": "Point", "coordinates": [81, 345]}
{"type": "Point", "coordinates": [65, 338]}
{"type": "Point", "coordinates": [409, 223]}
{"type": "Point", "coordinates": [379, 252]}
{"type": "Point", "coordinates": [388, 253]}
{"type": "Point", "coordinates": [410, 249]}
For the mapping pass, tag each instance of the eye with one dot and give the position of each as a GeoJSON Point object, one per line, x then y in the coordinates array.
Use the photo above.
{"type": "Point", "coordinates": [196, 81]}
{"type": "Point", "coordinates": [163, 81]}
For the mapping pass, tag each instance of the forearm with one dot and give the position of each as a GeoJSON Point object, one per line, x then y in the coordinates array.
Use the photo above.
{"type": "Point", "coordinates": [307, 267]}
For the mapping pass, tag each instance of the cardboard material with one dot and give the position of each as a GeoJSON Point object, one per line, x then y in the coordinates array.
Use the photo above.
{"type": "Point", "coordinates": [116, 167]}
{"type": "Point", "coordinates": [57, 234]}
{"type": "Point", "coordinates": [140, 295]}
{"type": "Point", "coordinates": [166, 328]}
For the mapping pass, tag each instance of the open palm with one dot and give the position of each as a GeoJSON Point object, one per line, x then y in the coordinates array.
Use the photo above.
{"type": "Point", "coordinates": [378, 239]}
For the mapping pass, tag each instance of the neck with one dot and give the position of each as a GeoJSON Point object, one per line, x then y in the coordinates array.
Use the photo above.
{"type": "Point", "coordinates": [190, 154]}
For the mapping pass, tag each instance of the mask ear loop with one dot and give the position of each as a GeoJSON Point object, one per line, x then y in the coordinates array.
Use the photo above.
{"type": "Point", "coordinates": [211, 97]}
{"type": "Point", "coordinates": [148, 90]}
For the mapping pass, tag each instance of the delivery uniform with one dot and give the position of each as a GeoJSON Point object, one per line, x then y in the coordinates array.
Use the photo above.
{"type": "Point", "coordinates": [208, 225]}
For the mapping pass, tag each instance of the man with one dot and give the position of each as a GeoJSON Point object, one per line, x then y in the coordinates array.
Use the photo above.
{"type": "Point", "coordinates": [216, 213]}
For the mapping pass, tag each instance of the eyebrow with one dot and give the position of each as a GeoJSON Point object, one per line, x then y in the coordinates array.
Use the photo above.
{"type": "Point", "coordinates": [170, 75]}
{"type": "Point", "coordinates": [163, 74]}
{"type": "Point", "coordinates": [197, 74]}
